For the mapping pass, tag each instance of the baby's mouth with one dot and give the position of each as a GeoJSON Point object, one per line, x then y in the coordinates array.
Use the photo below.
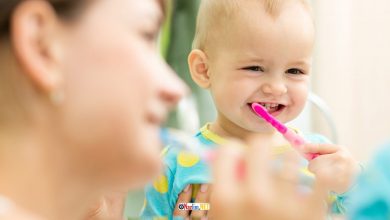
{"type": "Point", "coordinates": [271, 107]}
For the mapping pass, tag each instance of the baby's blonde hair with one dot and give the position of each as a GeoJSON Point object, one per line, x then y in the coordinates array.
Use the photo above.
{"type": "Point", "coordinates": [214, 14]}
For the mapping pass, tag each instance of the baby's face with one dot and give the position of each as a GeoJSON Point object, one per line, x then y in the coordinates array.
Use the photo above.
{"type": "Point", "coordinates": [265, 60]}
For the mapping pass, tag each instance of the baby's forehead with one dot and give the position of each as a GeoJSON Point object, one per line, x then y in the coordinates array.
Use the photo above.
{"type": "Point", "coordinates": [226, 9]}
{"type": "Point", "coordinates": [219, 18]}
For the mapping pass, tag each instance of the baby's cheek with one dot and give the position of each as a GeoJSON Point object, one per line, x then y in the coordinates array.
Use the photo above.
{"type": "Point", "coordinates": [299, 102]}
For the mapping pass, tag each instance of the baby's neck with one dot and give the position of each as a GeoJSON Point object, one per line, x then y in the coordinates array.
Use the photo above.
{"type": "Point", "coordinates": [275, 138]}
{"type": "Point", "coordinates": [236, 132]}
{"type": "Point", "coordinates": [230, 130]}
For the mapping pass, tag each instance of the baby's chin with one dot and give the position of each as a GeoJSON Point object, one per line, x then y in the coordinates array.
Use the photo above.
{"type": "Point", "coordinates": [263, 129]}
{"type": "Point", "coordinates": [258, 127]}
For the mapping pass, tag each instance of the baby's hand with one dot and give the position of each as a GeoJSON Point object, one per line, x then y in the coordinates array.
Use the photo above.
{"type": "Point", "coordinates": [335, 168]}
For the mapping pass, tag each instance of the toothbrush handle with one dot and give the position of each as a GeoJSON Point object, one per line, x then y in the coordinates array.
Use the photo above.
{"type": "Point", "coordinates": [297, 142]}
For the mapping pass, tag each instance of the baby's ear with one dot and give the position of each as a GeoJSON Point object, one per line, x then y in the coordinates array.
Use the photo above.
{"type": "Point", "coordinates": [197, 62]}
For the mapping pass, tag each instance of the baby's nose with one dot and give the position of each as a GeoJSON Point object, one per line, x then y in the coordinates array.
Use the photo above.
{"type": "Point", "coordinates": [275, 87]}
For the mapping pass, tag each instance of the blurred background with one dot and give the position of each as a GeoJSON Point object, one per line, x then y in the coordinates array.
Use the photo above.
{"type": "Point", "coordinates": [352, 71]}
{"type": "Point", "coordinates": [350, 80]}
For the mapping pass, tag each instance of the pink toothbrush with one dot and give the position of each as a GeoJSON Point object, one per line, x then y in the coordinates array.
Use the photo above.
{"type": "Point", "coordinates": [292, 137]}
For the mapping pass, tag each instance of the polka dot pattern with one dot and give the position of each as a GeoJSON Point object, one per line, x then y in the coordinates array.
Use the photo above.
{"type": "Point", "coordinates": [186, 159]}
{"type": "Point", "coordinates": [161, 184]}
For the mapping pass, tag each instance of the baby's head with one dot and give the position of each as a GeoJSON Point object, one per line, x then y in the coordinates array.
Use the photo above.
{"type": "Point", "coordinates": [248, 51]}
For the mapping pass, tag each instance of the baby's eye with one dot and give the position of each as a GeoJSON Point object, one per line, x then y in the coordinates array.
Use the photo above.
{"type": "Point", "coordinates": [295, 71]}
{"type": "Point", "coordinates": [254, 68]}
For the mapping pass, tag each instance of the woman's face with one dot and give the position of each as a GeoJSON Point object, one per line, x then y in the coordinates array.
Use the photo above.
{"type": "Point", "coordinates": [118, 90]}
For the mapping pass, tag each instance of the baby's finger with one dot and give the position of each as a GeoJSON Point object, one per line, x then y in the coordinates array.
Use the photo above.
{"type": "Point", "coordinates": [320, 148]}
{"type": "Point", "coordinates": [326, 170]}
{"type": "Point", "coordinates": [184, 197]}
{"type": "Point", "coordinates": [325, 162]}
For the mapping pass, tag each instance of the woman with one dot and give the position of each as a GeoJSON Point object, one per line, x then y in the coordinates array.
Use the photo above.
{"type": "Point", "coordinates": [83, 93]}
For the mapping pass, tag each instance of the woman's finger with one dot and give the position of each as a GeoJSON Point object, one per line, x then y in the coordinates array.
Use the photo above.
{"type": "Point", "coordinates": [226, 186]}
{"type": "Point", "coordinates": [287, 175]}
{"type": "Point", "coordinates": [257, 163]}
{"type": "Point", "coordinates": [184, 197]}
{"type": "Point", "coordinates": [203, 196]}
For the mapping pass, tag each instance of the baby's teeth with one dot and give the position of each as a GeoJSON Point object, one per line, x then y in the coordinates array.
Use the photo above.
{"type": "Point", "coordinates": [269, 106]}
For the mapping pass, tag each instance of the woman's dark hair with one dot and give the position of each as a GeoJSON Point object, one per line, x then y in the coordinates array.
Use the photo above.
{"type": "Point", "coordinates": [64, 8]}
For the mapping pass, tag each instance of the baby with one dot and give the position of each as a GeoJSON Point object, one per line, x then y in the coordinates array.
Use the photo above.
{"type": "Point", "coordinates": [244, 52]}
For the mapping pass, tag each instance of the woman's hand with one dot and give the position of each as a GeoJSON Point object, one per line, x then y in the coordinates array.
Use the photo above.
{"type": "Point", "coordinates": [255, 191]}
{"type": "Point", "coordinates": [202, 196]}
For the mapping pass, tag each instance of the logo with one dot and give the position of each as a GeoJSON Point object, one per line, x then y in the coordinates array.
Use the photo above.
{"type": "Point", "coordinates": [194, 206]}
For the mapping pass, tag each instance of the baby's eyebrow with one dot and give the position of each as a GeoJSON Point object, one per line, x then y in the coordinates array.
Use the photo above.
{"type": "Point", "coordinates": [257, 60]}
{"type": "Point", "coordinates": [251, 59]}
{"type": "Point", "coordinates": [300, 63]}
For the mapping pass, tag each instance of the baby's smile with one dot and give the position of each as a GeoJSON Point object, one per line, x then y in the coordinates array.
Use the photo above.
{"type": "Point", "coordinates": [272, 108]}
